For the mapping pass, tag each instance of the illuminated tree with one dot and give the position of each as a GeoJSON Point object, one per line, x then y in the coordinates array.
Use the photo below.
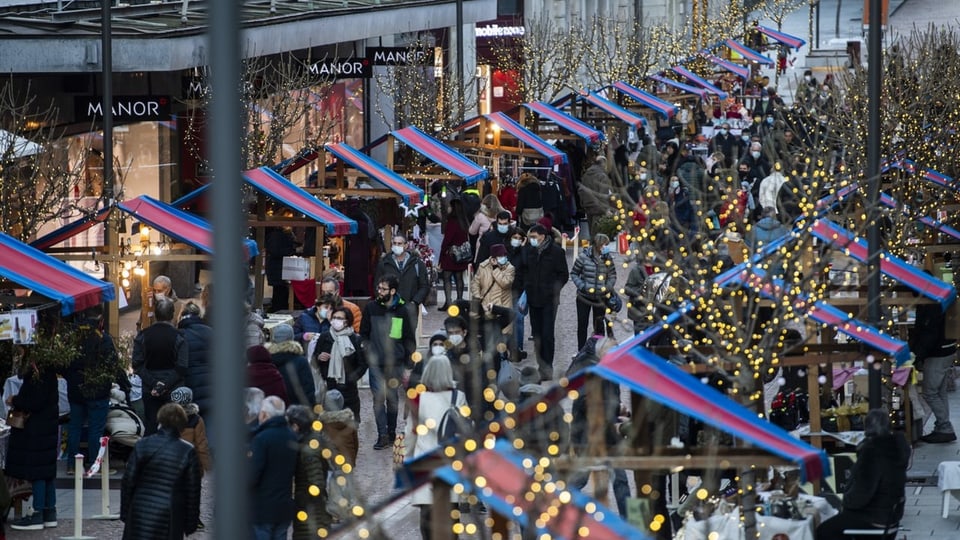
{"type": "Point", "coordinates": [620, 50]}
{"type": "Point", "coordinates": [545, 60]}
{"type": "Point", "coordinates": [778, 10]}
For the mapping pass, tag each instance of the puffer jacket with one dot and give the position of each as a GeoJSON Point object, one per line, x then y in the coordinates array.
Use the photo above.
{"type": "Point", "coordinates": [311, 471]}
{"type": "Point", "coordinates": [199, 370]}
{"type": "Point", "coordinates": [340, 433]}
{"type": "Point", "coordinates": [295, 370]}
{"type": "Point", "coordinates": [273, 462]}
{"type": "Point", "coordinates": [494, 285]}
{"type": "Point", "coordinates": [196, 434]}
{"type": "Point", "coordinates": [595, 276]}
{"type": "Point", "coordinates": [160, 493]}
{"type": "Point", "coordinates": [32, 451]}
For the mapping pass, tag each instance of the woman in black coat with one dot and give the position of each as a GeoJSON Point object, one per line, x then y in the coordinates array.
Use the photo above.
{"type": "Point", "coordinates": [342, 337]}
{"type": "Point", "coordinates": [32, 451]}
{"type": "Point", "coordinates": [160, 493]}
{"type": "Point", "coordinates": [199, 336]}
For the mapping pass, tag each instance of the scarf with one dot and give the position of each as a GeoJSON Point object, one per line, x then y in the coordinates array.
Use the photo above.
{"type": "Point", "coordinates": [342, 348]}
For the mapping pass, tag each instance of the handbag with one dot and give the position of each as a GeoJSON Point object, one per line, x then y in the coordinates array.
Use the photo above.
{"type": "Point", "coordinates": [17, 419]}
{"type": "Point", "coordinates": [462, 252]}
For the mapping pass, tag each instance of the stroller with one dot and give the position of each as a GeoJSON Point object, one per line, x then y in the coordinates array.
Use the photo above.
{"type": "Point", "coordinates": [124, 427]}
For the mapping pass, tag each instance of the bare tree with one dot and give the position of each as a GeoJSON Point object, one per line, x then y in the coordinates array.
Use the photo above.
{"type": "Point", "coordinates": [778, 10]}
{"type": "Point", "coordinates": [621, 50]}
{"type": "Point", "coordinates": [544, 59]}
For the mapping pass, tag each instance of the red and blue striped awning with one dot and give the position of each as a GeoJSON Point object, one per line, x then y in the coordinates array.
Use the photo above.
{"type": "Point", "coordinates": [680, 70]}
{"type": "Point", "coordinates": [33, 269]}
{"type": "Point", "coordinates": [185, 227]}
{"type": "Point", "coordinates": [740, 71]}
{"type": "Point", "coordinates": [528, 137]}
{"type": "Point", "coordinates": [747, 53]}
{"type": "Point", "coordinates": [679, 85]}
{"type": "Point", "coordinates": [613, 109]}
{"type": "Point", "coordinates": [890, 265]}
{"type": "Point", "coordinates": [185, 201]}
{"type": "Point", "coordinates": [502, 478]}
{"type": "Point", "coordinates": [285, 192]}
{"type": "Point", "coordinates": [441, 154]}
{"type": "Point", "coordinates": [411, 194]}
{"type": "Point", "coordinates": [71, 229]}
{"type": "Point", "coordinates": [790, 41]}
{"type": "Point", "coordinates": [649, 375]}
{"type": "Point", "coordinates": [565, 121]}
{"type": "Point", "coordinates": [665, 109]}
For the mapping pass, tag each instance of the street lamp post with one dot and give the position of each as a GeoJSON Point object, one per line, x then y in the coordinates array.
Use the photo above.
{"type": "Point", "coordinates": [874, 74]}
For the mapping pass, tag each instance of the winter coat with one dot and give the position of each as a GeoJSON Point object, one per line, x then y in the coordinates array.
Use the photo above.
{"type": "Point", "coordinates": [494, 285]}
{"type": "Point", "coordinates": [928, 333]}
{"type": "Point", "coordinates": [199, 337]}
{"type": "Point", "coordinates": [311, 471]}
{"type": "Point", "coordinates": [96, 348]}
{"type": "Point", "coordinates": [634, 289]}
{"type": "Point", "coordinates": [413, 278]}
{"type": "Point", "coordinates": [595, 190]}
{"type": "Point", "coordinates": [354, 365]}
{"type": "Point", "coordinates": [340, 432]}
{"type": "Point", "coordinates": [770, 189]}
{"type": "Point", "coordinates": [529, 197]}
{"type": "Point", "coordinates": [481, 224]}
{"type": "Point", "coordinates": [160, 353]}
{"type": "Point", "coordinates": [595, 276]}
{"type": "Point", "coordinates": [297, 377]}
{"type": "Point", "coordinates": [253, 330]}
{"type": "Point", "coordinates": [273, 462]}
{"type": "Point", "coordinates": [766, 231]}
{"type": "Point", "coordinates": [196, 434]}
{"type": "Point", "coordinates": [427, 409]}
{"type": "Point", "coordinates": [160, 492]}
{"type": "Point", "coordinates": [879, 476]}
{"type": "Point", "coordinates": [383, 347]}
{"type": "Point", "coordinates": [682, 208]}
{"type": "Point", "coordinates": [544, 272]}
{"type": "Point", "coordinates": [32, 451]}
{"type": "Point", "coordinates": [454, 235]}
{"type": "Point", "coordinates": [265, 376]}
{"type": "Point", "coordinates": [309, 321]}
{"type": "Point", "coordinates": [489, 239]}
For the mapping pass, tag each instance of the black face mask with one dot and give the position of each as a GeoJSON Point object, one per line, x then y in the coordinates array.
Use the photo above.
{"type": "Point", "coordinates": [744, 175]}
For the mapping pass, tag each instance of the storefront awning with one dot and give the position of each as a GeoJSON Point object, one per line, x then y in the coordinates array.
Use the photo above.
{"type": "Point", "coordinates": [33, 269]}
{"type": "Point", "coordinates": [285, 192]}
{"type": "Point", "coordinates": [528, 137]}
{"type": "Point", "coordinates": [649, 375]}
{"type": "Point", "coordinates": [740, 71]}
{"type": "Point", "coordinates": [185, 227]}
{"type": "Point", "coordinates": [71, 229]}
{"type": "Point", "coordinates": [790, 41]}
{"type": "Point", "coordinates": [681, 86]}
{"type": "Point", "coordinates": [565, 121]}
{"type": "Point", "coordinates": [665, 109]}
{"type": "Point", "coordinates": [747, 53]}
{"type": "Point", "coordinates": [613, 109]}
{"type": "Point", "coordinates": [441, 154]}
{"type": "Point", "coordinates": [411, 194]}
{"type": "Point", "coordinates": [680, 70]}
{"type": "Point", "coordinates": [501, 477]}
{"type": "Point", "coordinates": [890, 265]}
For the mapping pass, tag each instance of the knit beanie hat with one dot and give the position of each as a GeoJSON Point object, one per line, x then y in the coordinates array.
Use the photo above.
{"type": "Point", "coordinates": [181, 395]}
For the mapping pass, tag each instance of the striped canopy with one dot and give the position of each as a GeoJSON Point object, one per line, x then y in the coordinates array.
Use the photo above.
{"type": "Point", "coordinates": [665, 109]}
{"type": "Point", "coordinates": [681, 86]}
{"type": "Point", "coordinates": [187, 199]}
{"type": "Point", "coordinates": [740, 71]}
{"type": "Point", "coordinates": [71, 229]}
{"type": "Point", "coordinates": [565, 121]}
{"type": "Point", "coordinates": [527, 137]}
{"type": "Point", "coordinates": [613, 109]}
{"type": "Point", "coordinates": [790, 41]}
{"type": "Point", "coordinates": [747, 53]}
{"type": "Point", "coordinates": [411, 194]}
{"type": "Point", "coordinates": [278, 188]}
{"type": "Point", "coordinates": [441, 154]}
{"type": "Point", "coordinates": [680, 70]}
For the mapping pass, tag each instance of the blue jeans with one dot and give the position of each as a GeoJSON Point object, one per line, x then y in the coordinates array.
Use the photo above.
{"type": "Point", "coordinates": [621, 487]}
{"type": "Point", "coordinates": [270, 531]}
{"type": "Point", "coordinates": [93, 413]}
{"type": "Point", "coordinates": [385, 399]}
{"type": "Point", "coordinates": [44, 495]}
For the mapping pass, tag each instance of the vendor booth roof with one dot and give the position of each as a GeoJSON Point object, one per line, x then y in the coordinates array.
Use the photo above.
{"type": "Point", "coordinates": [528, 137]}
{"type": "Point", "coordinates": [681, 86]}
{"type": "Point", "coordinates": [441, 154]}
{"type": "Point", "coordinates": [502, 478]}
{"type": "Point", "coordinates": [71, 229]}
{"type": "Point", "coordinates": [740, 71]}
{"type": "Point", "coordinates": [185, 201]}
{"type": "Point", "coordinates": [931, 175]}
{"type": "Point", "coordinates": [613, 109]}
{"type": "Point", "coordinates": [665, 109]}
{"type": "Point", "coordinates": [747, 53]}
{"type": "Point", "coordinates": [890, 265]}
{"type": "Point", "coordinates": [565, 121]}
{"type": "Point", "coordinates": [35, 270]}
{"type": "Point", "coordinates": [790, 41]}
{"type": "Point", "coordinates": [680, 70]}
{"type": "Point", "coordinates": [649, 375]}
{"type": "Point", "coordinates": [411, 194]}
{"type": "Point", "coordinates": [285, 192]}
{"type": "Point", "coordinates": [187, 228]}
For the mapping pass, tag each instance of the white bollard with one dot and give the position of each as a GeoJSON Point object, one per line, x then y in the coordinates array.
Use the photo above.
{"type": "Point", "coordinates": [77, 501]}
{"type": "Point", "coordinates": [105, 481]}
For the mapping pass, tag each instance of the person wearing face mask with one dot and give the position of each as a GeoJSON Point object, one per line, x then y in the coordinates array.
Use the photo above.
{"type": "Point", "coordinates": [314, 321]}
{"type": "Point", "coordinates": [543, 272]}
{"type": "Point", "coordinates": [756, 163]}
{"type": "Point", "coordinates": [515, 254]}
{"type": "Point", "coordinates": [483, 220]}
{"type": "Point", "coordinates": [388, 341]}
{"type": "Point", "coordinates": [806, 90]}
{"type": "Point", "coordinates": [287, 354]}
{"type": "Point", "coordinates": [492, 295]}
{"type": "Point", "coordinates": [331, 286]}
{"type": "Point", "coordinates": [764, 106]}
{"type": "Point", "coordinates": [681, 207]}
{"type": "Point", "coordinates": [499, 233]}
{"type": "Point", "coordinates": [411, 274]}
{"type": "Point", "coordinates": [727, 143]}
{"type": "Point", "coordinates": [339, 361]}
{"type": "Point", "coordinates": [595, 275]}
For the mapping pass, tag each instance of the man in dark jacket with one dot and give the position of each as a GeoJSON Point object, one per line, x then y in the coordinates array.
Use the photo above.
{"type": "Point", "coordinates": [388, 340]}
{"type": "Point", "coordinates": [411, 273]}
{"type": "Point", "coordinates": [161, 359]}
{"type": "Point", "coordinates": [287, 355]}
{"type": "Point", "coordinates": [160, 494]}
{"type": "Point", "coordinates": [499, 233]}
{"type": "Point", "coordinates": [934, 356]}
{"type": "Point", "coordinates": [198, 336]}
{"type": "Point", "coordinates": [273, 462]}
{"type": "Point", "coordinates": [544, 272]}
{"type": "Point", "coordinates": [279, 243]}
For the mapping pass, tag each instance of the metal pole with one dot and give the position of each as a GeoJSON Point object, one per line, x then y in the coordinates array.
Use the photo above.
{"type": "Point", "coordinates": [461, 78]}
{"type": "Point", "coordinates": [106, 100]}
{"type": "Point", "coordinates": [229, 272]}
{"type": "Point", "coordinates": [816, 44]}
{"type": "Point", "coordinates": [875, 71]}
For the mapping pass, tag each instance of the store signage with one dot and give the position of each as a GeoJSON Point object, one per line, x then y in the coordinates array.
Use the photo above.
{"type": "Point", "coordinates": [125, 108]}
{"type": "Point", "coordinates": [495, 30]}
{"type": "Point", "coordinates": [400, 56]}
{"type": "Point", "coordinates": [352, 68]}
{"type": "Point", "coordinates": [195, 87]}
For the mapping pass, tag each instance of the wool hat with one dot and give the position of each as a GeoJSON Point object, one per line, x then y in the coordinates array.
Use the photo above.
{"type": "Point", "coordinates": [439, 336]}
{"type": "Point", "coordinates": [258, 354]}
{"type": "Point", "coordinates": [546, 222]}
{"type": "Point", "coordinates": [333, 401]}
{"type": "Point", "coordinates": [181, 395]}
{"type": "Point", "coordinates": [281, 333]}
{"type": "Point", "coordinates": [497, 250]}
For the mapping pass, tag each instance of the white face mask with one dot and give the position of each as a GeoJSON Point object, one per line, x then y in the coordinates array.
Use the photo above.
{"type": "Point", "coordinates": [674, 185]}
{"type": "Point", "coordinates": [756, 155]}
{"type": "Point", "coordinates": [397, 250]}
{"type": "Point", "coordinates": [722, 131]}
{"type": "Point", "coordinates": [502, 229]}
{"type": "Point", "coordinates": [534, 242]}
{"type": "Point", "coordinates": [643, 176]}
{"type": "Point", "coordinates": [516, 243]}
{"type": "Point", "coordinates": [338, 324]}
{"type": "Point", "coordinates": [323, 312]}
{"type": "Point", "coordinates": [438, 350]}
{"type": "Point", "coordinates": [502, 260]}
{"type": "Point", "coordinates": [806, 78]}
{"type": "Point", "coordinates": [455, 339]}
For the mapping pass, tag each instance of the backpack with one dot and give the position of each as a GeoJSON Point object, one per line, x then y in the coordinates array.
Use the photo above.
{"type": "Point", "coordinates": [452, 424]}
